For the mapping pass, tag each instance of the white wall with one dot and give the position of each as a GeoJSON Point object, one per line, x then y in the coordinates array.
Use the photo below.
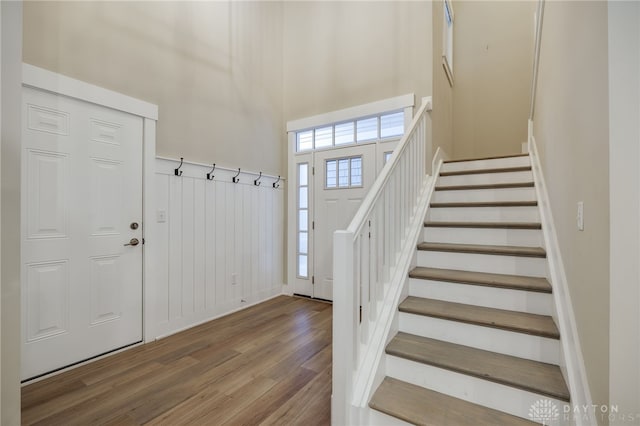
{"type": "Point", "coordinates": [338, 54]}
{"type": "Point", "coordinates": [442, 114]}
{"type": "Point", "coordinates": [213, 68]}
{"type": "Point", "coordinates": [214, 229]}
{"type": "Point", "coordinates": [493, 57]}
{"type": "Point", "coordinates": [624, 185]}
{"type": "Point", "coordinates": [11, 74]}
{"type": "Point", "coordinates": [572, 133]}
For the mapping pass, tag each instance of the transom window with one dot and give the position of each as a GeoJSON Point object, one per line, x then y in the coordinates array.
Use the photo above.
{"type": "Point", "coordinates": [343, 172]}
{"type": "Point", "coordinates": [369, 129]}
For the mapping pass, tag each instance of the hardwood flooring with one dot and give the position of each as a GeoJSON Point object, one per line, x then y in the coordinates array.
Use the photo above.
{"type": "Point", "coordinates": [267, 365]}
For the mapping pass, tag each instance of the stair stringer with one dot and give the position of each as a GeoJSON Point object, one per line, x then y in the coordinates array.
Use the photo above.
{"type": "Point", "coordinates": [373, 367]}
{"type": "Point", "coordinates": [571, 359]}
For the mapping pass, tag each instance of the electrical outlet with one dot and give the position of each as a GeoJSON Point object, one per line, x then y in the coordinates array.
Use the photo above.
{"type": "Point", "coordinates": [161, 216]}
{"type": "Point", "coordinates": [580, 216]}
{"type": "Point", "coordinates": [234, 278]}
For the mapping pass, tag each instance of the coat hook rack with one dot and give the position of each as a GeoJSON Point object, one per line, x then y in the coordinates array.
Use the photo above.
{"type": "Point", "coordinates": [257, 181]}
{"type": "Point", "coordinates": [177, 171]}
{"type": "Point", "coordinates": [236, 179]}
{"type": "Point", "coordinates": [210, 175]}
{"type": "Point", "coordinates": [276, 184]}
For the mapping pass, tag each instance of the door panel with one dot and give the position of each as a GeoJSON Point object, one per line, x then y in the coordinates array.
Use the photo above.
{"type": "Point", "coordinates": [81, 190]}
{"type": "Point", "coordinates": [334, 208]}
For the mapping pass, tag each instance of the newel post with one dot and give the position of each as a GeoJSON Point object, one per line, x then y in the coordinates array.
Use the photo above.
{"type": "Point", "coordinates": [344, 327]}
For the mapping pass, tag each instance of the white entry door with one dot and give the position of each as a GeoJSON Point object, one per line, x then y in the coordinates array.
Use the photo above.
{"type": "Point", "coordinates": [342, 179]}
{"type": "Point", "coordinates": [81, 231]}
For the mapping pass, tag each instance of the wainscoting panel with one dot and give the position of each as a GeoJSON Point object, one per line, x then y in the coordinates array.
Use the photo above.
{"type": "Point", "coordinates": [220, 244]}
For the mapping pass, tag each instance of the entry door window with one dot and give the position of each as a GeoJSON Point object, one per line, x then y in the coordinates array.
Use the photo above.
{"type": "Point", "coordinates": [343, 173]}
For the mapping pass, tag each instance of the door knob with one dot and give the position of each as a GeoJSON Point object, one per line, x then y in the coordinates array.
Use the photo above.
{"type": "Point", "coordinates": [133, 242]}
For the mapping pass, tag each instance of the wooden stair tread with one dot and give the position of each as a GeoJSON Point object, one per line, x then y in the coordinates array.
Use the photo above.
{"type": "Point", "coordinates": [519, 322]}
{"type": "Point", "coordinates": [487, 171]}
{"type": "Point", "coordinates": [485, 249]}
{"type": "Point", "coordinates": [486, 204]}
{"type": "Point", "coordinates": [495, 225]}
{"type": "Point", "coordinates": [485, 186]}
{"type": "Point", "coordinates": [424, 407]}
{"type": "Point", "coordinates": [514, 282]}
{"type": "Point", "coordinates": [486, 158]}
{"type": "Point", "coordinates": [528, 375]}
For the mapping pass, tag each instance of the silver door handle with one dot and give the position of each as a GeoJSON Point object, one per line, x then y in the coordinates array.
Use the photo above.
{"type": "Point", "coordinates": [133, 242]}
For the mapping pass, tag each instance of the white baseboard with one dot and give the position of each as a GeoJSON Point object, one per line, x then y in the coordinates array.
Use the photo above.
{"type": "Point", "coordinates": [572, 361]}
{"type": "Point", "coordinates": [223, 311]}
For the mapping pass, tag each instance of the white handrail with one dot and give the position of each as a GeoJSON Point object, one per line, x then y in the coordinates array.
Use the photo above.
{"type": "Point", "coordinates": [365, 258]}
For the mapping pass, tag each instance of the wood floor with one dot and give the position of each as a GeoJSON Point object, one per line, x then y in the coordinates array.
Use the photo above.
{"type": "Point", "coordinates": [267, 365]}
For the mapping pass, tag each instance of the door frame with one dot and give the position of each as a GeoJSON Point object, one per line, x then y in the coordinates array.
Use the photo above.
{"type": "Point", "coordinates": [59, 84]}
{"type": "Point", "coordinates": [403, 102]}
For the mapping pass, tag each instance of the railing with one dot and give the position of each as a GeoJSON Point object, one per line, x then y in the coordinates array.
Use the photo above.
{"type": "Point", "coordinates": [365, 258]}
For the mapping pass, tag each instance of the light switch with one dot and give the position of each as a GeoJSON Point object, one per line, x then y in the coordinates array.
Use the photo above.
{"type": "Point", "coordinates": [580, 216]}
{"type": "Point", "coordinates": [161, 216]}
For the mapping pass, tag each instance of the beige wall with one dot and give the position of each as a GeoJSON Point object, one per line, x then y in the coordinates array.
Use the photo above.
{"type": "Point", "coordinates": [624, 184]}
{"type": "Point", "coordinates": [493, 57]}
{"type": "Point", "coordinates": [442, 114]}
{"type": "Point", "coordinates": [11, 81]}
{"type": "Point", "coordinates": [342, 54]}
{"type": "Point", "coordinates": [572, 133]}
{"type": "Point", "coordinates": [214, 69]}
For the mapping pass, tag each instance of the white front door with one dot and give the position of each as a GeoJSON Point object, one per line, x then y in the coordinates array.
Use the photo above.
{"type": "Point", "coordinates": [81, 217]}
{"type": "Point", "coordinates": [342, 179]}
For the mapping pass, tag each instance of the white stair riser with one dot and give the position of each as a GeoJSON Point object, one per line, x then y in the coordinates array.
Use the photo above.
{"type": "Point", "coordinates": [499, 237]}
{"type": "Point", "coordinates": [377, 418]}
{"type": "Point", "coordinates": [496, 163]}
{"type": "Point", "coordinates": [490, 297]}
{"type": "Point", "coordinates": [485, 178]}
{"type": "Point", "coordinates": [497, 264]}
{"type": "Point", "coordinates": [505, 342]}
{"type": "Point", "coordinates": [484, 214]}
{"type": "Point", "coordinates": [471, 195]}
{"type": "Point", "coordinates": [478, 391]}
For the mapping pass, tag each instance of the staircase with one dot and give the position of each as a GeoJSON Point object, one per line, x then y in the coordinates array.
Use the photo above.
{"type": "Point", "coordinates": [476, 343]}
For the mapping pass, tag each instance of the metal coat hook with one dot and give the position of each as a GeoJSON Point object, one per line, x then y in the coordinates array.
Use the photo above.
{"type": "Point", "coordinates": [210, 175]}
{"type": "Point", "coordinates": [276, 184]}
{"type": "Point", "coordinates": [177, 171]}
{"type": "Point", "coordinates": [257, 181]}
{"type": "Point", "coordinates": [236, 179]}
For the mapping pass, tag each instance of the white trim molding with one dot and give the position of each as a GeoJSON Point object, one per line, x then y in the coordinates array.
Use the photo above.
{"type": "Point", "coordinates": [571, 360]}
{"type": "Point", "coordinates": [218, 244]}
{"type": "Point", "coordinates": [372, 108]}
{"type": "Point", "coordinates": [57, 83]}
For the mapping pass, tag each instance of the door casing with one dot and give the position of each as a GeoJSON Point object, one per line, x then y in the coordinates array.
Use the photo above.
{"type": "Point", "coordinates": [46, 80]}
